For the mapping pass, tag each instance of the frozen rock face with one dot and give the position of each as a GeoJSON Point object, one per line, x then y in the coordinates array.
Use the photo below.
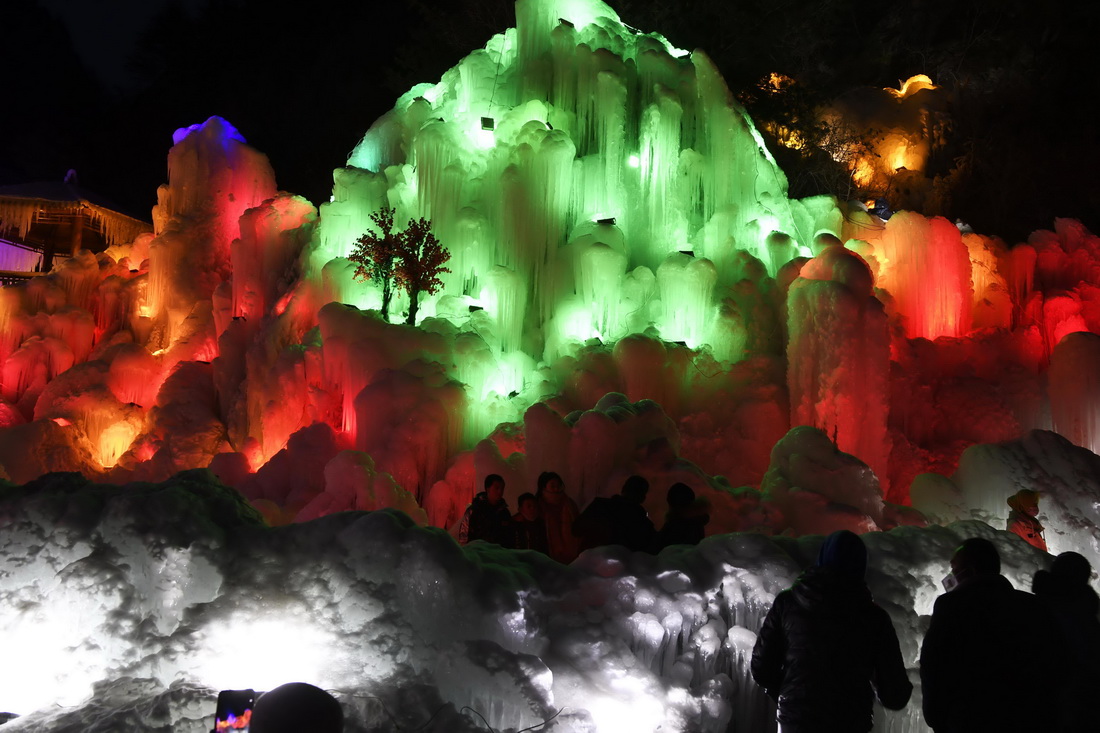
{"type": "Point", "coordinates": [127, 608]}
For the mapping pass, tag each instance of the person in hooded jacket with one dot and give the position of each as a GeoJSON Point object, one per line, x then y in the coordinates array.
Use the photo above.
{"type": "Point", "coordinates": [993, 658]}
{"type": "Point", "coordinates": [826, 649]}
{"type": "Point", "coordinates": [1065, 590]}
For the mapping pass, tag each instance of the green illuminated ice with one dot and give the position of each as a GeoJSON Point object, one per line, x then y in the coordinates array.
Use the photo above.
{"type": "Point", "coordinates": [590, 181]}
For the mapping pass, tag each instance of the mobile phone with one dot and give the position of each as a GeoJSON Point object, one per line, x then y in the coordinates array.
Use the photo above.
{"type": "Point", "coordinates": [234, 713]}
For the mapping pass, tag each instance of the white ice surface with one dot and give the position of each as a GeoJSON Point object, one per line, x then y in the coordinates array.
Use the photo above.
{"type": "Point", "coordinates": [128, 608]}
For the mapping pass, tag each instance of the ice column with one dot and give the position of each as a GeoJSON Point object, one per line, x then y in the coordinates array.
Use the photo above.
{"type": "Point", "coordinates": [505, 298]}
{"type": "Point", "coordinates": [1074, 380]}
{"type": "Point", "coordinates": [926, 268]}
{"type": "Point", "coordinates": [536, 199]}
{"type": "Point", "coordinates": [264, 257]}
{"type": "Point", "coordinates": [213, 178]}
{"type": "Point", "coordinates": [838, 356]}
{"type": "Point", "coordinates": [686, 284]}
{"type": "Point", "coordinates": [992, 305]}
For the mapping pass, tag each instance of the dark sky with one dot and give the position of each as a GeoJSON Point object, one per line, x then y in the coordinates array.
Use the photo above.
{"type": "Point", "coordinates": [104, 32]}
{"type": "Point", "coordinates": [100, 85]}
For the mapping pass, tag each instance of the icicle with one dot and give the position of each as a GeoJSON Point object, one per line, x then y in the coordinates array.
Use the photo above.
{"type": "Point", "coordinates": [18, 214]}
{"type": "Point", "coordinates": [117, 228]}
{"type": "Point", "coordinates": [132, 376]}
{"type": "Point", "coordinates": [505, 298]}
{"type": "Point", "coordinates": [79, 277]}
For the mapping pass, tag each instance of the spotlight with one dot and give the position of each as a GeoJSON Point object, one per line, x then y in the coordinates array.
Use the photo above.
{"type": "Point", "coordinates": [488, 123]}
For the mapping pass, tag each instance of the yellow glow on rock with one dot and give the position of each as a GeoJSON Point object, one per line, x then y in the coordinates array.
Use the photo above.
{"type": "Point", "coordinates": [115, 440]}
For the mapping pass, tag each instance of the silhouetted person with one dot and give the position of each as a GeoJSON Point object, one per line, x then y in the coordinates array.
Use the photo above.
{"type": "Point", "coordinates": [826, 649]}
{"type": "Point", "coordinates": [488, 517]}
{"type": "Point", "coordinates": [686, 520]}
{"type": "Point", "coordinates": [1066, 592]}
{"type": "Point", "coordinates": [559, 512]}
{"type": "Point", "coordinates": [295, 708]}
{"type": "Point", "coordinates": [528, 528]}
{"type": "Point", "coordinates": [993, 658]}
{"type": "Point", "coordinates": [618, 520]}
{"type": "Point", "coordinates": [1022, 520]}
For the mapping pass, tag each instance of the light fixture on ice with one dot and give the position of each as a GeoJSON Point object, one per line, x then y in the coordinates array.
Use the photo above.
{"type": "Point", "coordinates": [262, 655]}
{"type": "Point", "coordinates": [483, 137]}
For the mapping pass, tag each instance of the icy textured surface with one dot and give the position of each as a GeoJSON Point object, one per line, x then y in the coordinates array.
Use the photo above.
{"type": "Point", "coordinates": [128, 608]}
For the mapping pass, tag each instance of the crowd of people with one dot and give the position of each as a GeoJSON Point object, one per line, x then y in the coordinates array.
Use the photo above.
{"type": "Point", "coordinates": [994, 658]}
{"type": "Point", "coordinates": [550, 522]}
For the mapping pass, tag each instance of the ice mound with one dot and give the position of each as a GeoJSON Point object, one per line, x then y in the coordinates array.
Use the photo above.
{"type": "Point", "coordinates": [129, 607]}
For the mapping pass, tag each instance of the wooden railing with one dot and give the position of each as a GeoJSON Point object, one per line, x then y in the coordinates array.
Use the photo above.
{"type": "Point", "coordinates": [11, 277]}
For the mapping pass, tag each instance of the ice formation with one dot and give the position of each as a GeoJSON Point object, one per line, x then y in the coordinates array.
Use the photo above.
{"type": "Point", "coordinates": [129, 607]}
{"type": "Point", "coordinates": [631, 291]}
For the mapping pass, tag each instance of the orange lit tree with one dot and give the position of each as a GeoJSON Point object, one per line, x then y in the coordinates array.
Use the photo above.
{"type": "Point", "coordinates": [419, 263]}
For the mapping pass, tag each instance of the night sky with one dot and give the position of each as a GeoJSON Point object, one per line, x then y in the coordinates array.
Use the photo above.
{"type": "Point", "coordinates": [101, 86]}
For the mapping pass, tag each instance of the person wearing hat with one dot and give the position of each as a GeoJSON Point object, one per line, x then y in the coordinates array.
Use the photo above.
{"type": "Point", "coordinates": [1022, 520]}
{"type": "Point", "coordinates": [826, 649]}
